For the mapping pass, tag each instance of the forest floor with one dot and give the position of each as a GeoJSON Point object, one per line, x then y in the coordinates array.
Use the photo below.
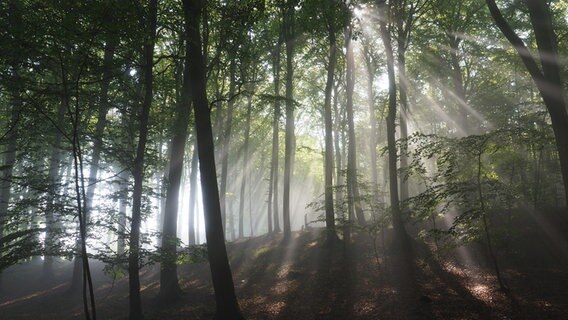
{"type": "Point", "coordinates": [307, 279]}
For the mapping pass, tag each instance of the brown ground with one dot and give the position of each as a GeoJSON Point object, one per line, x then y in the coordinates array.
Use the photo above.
{"type": "Point", "coordinates": [307, 280]}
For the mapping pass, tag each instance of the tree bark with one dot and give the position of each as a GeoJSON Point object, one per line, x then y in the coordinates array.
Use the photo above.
{"type": "Point", "coordinates": [371, 69]}
{"type": "Point", "coordinates": [53, 178]}
{"type": "Point", "coordinates": [548, 81]}
{"type": "Point", "coordinates": [352, 183]}
{"type": "Point", "coordinates": [135, 302]}
{"type": "Point", "coordinates": [169, 286]}
{"type": "Point", "coordinates": [398, 225]}
{"type": "Point", "coordinates": [226, 142]}
{"type": "Point", "coordinates": [192, 197]}
{"type": "Point", "coordinates": [97, 148]}
{"type": "Point", "coordinates": [9, 161]}
{"type": "Point", "coordinates": [274, 172]}
{"type": "Point", "coordinates": [246, 168]}
{"type": "Point", "coordinates": [227, 304]}
{"type": "Point", "coordinates": [328, 123]}
{"type": "Point", "coordinates": [123, 203]}
{"type": "Point", "coordinates": [289, 148]}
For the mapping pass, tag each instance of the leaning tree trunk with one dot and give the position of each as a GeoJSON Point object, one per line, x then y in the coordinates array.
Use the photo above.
{"type": "Point", "coordinates": [169, 286]}
{"type": "Point", "coordinates": [227, 304]}
{"type": "Point", "coordinates": [548, 81]}
{"type": "Point", "coordinates": [135, 302]}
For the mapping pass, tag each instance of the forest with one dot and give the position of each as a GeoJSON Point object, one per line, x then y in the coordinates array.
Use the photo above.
{"type": "Point", "coordinates": [283, 159]}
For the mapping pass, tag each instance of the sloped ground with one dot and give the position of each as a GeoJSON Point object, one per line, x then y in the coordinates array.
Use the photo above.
{"type": "Point", "coordinates": [305, 279]}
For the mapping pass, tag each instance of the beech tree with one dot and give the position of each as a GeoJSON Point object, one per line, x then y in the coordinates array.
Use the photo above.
{"type": "Point", "coordinates": [227, 304]}
{"type": "Point", "coordinates": [545, 70]}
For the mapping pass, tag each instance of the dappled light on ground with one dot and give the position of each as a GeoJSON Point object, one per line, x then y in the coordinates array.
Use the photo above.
{"type": "Point", "coordinates": [314, 281]}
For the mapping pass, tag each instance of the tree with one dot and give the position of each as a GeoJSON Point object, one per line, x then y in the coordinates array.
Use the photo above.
{"type": "Point", "coordinates": [274, 172]}
{"type": "Point", "coordinates": [405, 15]}
{"type": "Point", "coordinates": [352, 183]}
{"type": "Point", "coordinates": [288, 18]}
{"type": "Point", "coordinates": [169, 287]}
{"type": "Point", "coordinates": [149, 24]}
{"type": "Point", "coordinates": [227, 304]}
{"type": "Point", "coordinates": [192, 226]}
{"type": "Point", "coordinates": [98, 142]}
{"type": "Point", "coordinates": [400, 232]}
{"type": "Point", "coordinates": [546, 77]}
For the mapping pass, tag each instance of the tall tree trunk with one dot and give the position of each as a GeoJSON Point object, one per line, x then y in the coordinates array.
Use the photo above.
{"type": "Point", "coordinates": [289, 141]}
{"type": "Point", "coordinates": [548, 81]}
{"type": "Point", "coordinates": [169, 286]}
{"type": "Point", "coordinates": [403, 115]}
{"type": "Point", "coordinates": [398, 225]}
{"type": "Point", "coordinates": [192, 226]}
{"type": "Point", "coordinates": [338, 155]}
{"type": "Point", "coordinates": [459, 89]}
{"type": "Point", "coordinates": [227, 304]}
{"type": "Point", "coordinates": [226, 142]}
{"type": "Point", "coordinates": [53, 178]}
{"type": "Point", "coordinates": [138, 170]}
{"type": "Point", "coordinates": [273, 183]}
{"type": "Point", "coordinates": [97, 148]}
{"type": "Point", "coordinates": [123, 177]}
{"type": "Point", "coordinates": [9, 160]}
{"type": "Point", "coordinates": [246, 168]}
{"type": "Point", "coordinates": [328, 181]}
{"type": "Point", "coordinates": [352, 184]}
{"type": "Point", "coordinates": [274, 172]}
{"type": "Point", "coordinates": [371, 69]}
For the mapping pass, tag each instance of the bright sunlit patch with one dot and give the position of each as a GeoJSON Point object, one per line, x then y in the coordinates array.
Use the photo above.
{"type": "Point", "coordinates": [358, 12]}
{"type": "Point", "coordinates": [33, 295]}
{"type": "Point", "coordinates": [480, 290]}
{"type": "Point", "coordinates": [132, 72]}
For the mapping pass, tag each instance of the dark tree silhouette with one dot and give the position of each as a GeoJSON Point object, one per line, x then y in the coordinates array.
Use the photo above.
{"type": "Point", "coordinates": [227, 304]}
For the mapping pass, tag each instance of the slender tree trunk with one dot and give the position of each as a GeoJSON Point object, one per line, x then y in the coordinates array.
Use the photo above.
{"type": "Point", "coordinates": [403, 115]}
{"type": "Point", "coordinates": [459, 90]}
{"type": "Point", "coordinates": [226, 142]}
{"type": "Point", "coordinates": [53, 178]}
{"type": "Point", "coordinates": [246, 168]}
{"type": "Point", "coordinates": [96, 155]}
{"type": "Point", "coordinates": [123, 203]}
{"type": "Point", "coordinates": [192, 196]}
{"type": "Point", "coordinates": [548, 81]}
{"type": "Point", "coordinates": [138, 171]}
{"type": "Point", "coordinates": [9, 161]}
{"type": "Point", "coordinates": [353, 186]}
{"type": "Point", "coordinates": [169, 286]}
{"type": "Point", "coordinates": [371, 69]}
{"type": "Point", "coordinates": [289, 148]}
{"type": "Point", "coordinates": [338, 158]}
{"type": "Point", "coordinates": [398, 225]}
{"type": "Point", "coordinates": [227, 304]}
{"type": "Point", "coordinates": [273, 184]}
{"type": "Point", "coordinates": [329, 210]}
